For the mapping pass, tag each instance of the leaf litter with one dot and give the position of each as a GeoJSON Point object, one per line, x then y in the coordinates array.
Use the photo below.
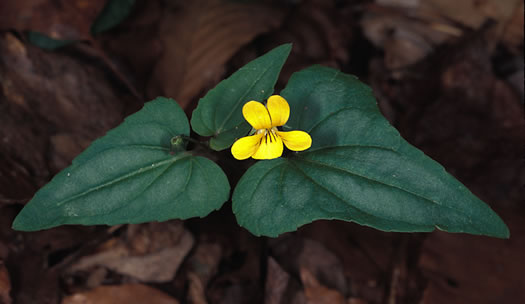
{"type": "Point", "coordinates": [442, 75]}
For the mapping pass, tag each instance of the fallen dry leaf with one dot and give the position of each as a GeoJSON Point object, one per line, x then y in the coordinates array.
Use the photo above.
{"type": "Point", "coordinates": [324, 264]}
{"type": "Point", "coordinates": [473, 13]}
{"type": "Point", "coordinates": [153, 262]}
{"type": "Point", "coordinates": [294, 253]}
{"type": "Point", "coordinates": [63, 19]}
{"type": "Point", "coordinates": [356, 301]}
{"type": "Point", "coordinates": [205, 261]}
{"type": "Point", "coordinates": [276, 283]}
{"type": "Point", "coordinates": [317, 293]}
{"type": "Point", "coordinates": [5, 285]}
{"type": "Point", "coordinates": [48, 98]}
{"type": "Point", "coordinates": [410, 30]}
{"type": "Point", "coordinates": [513, 32]}
{"type": "Point", "coordinates": [121, 294]}
{"type": "Point", "coordinates": [406, 36]}
{"type": "Point", "coordinates": [196, 289]}
{"type": "Point", "coordinates": [12, 170]}
{"type": "Point", "coordinates": [136, 47]}
{"type": "Point", "coordinates": [365, 255]}
{"type": "Point", "coordinates": [474, 269]}
{"type": "Point", "coordinates": [199, 37]}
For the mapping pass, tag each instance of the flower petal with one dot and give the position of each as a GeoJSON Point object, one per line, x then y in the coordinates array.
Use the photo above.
{"type": "Point", "coordinates": [296, 140]}
{"type": "Point", "coordinates": [246, 146]}
{"type": "Point", "coordinates": [271, 147]}
{"type": "Point", "coordinates": [256, 115]}
{"type": "Point", "coordinates": [279, 110]}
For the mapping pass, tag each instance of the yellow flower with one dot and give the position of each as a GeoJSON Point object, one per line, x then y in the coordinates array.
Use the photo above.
{"type": "Point", "coordinates": [267, 142]}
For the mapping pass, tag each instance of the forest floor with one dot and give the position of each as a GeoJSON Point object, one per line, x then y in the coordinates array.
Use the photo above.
{"type": "Point", "coordinates": [447, 74]}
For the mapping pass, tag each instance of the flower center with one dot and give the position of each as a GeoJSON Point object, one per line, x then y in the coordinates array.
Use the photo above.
{"type": "Point", "coordinates": [269, 135]}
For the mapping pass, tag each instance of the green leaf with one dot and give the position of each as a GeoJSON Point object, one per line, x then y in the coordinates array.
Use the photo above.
{"type": "Point", "coordinates": [45, 42]}
{"type": "Point", "coordinates": [219, 113]}
{"type": "Point", "coordinates": [359, 169]}
{"type": "Point", "coordinates": [131, 175]}
{"type": "Point", "coordinates": [113, 13]}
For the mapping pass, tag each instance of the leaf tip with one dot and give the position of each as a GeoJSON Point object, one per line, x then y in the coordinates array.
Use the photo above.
{"type": "Point", "coordinates": [22, 222]}
{"type": "Point", "coordinates": [504, 233]}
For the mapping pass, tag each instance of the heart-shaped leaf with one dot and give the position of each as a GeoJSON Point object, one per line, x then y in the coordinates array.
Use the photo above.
{"type": "Point", "coordinates": [131, 175]}
{"type": "Point", "coordinates": [219, 114]}
{"type": "Point", "coordinates": [359, 169]}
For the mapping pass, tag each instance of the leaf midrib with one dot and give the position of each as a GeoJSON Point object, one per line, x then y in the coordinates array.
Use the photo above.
{"type": "Point", "coordinates": [314, 182]}
{"type": "Point", "coordinates": [149, 167]}
{"type": "Point", "coordinates": [385, 184]}
{"type": "Point", "coordinates": [220, 128]}
{"type": "Point", "coordinates": [374, 111]}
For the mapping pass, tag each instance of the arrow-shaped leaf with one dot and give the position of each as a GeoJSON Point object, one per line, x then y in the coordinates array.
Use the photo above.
{"type": "Point", "coordinates": [219, 112]}
{"type": "Point", "coordinates": [131, 175]}
{"type": "Point", "coordinates": [359, 169]}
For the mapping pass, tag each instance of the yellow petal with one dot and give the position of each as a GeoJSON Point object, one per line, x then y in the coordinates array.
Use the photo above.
{"type": "Point", "coordinates": [271, 147]}
{"type": "Point", "coordinates": [296, 140]}
{"type": "Point", "coordinates": [245, 147]}
{"type": "Point", "coordinates": [279, 110]}
{"type": "Point", "coordinates": [256, 115]}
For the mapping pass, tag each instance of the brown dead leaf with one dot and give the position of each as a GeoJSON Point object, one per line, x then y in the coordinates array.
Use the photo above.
{"type": "Point", "coordinates": [240, 278]}
{"type": "Point", "coordinates": [121, 294]}
{"type": "Point", "coordinates": [63, 19]}
{"type": "Point", "coordinates": [4, 251]}
{"type": "Point", "coordinates": [405, 39]}
{"type": "Point", "coordinates": [14, 192]}
{"type": "Point", "coordinates": [196, 290]}
{"type": "Point", "coordinates": [356, 301]}
{"type": "Point", "coordinates": [317, 293]}
{"type": "Point", "coordinates": [199, 37]}
{"type": "Point", "coordinates": [410, 30]}
{"type": "Point", "coordinates": [473, 269]}
{"type": "Point", "coordinates": [157, 260]}
{"type": "Point", "coordinates": [205, 261]}
{"type": "Point", "coordinates": [324, 264]}
{"type": "Point", "coordinates": [513, 32]}
{"type": "Point", "coordinates": [136, 46]}
{"type": "Point", "coordinates": [294, 253]}
{"type": "Point", "coordinates": [5, 285]}
{"type": "Point", "coordinates": [44, 95]}
{"type": "Point", "coordinates": [473, 13]}
{"type": "Point", "coordinates": [276, 283]}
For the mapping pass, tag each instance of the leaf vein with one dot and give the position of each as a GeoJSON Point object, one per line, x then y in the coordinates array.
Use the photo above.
{"type": "Point", "coordinates": [219, 130]}
{"type": "Point", "coordinates": [123, 177]}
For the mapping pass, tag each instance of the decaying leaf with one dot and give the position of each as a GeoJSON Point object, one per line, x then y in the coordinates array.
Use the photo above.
{"type": "Point", "coordinates": [473, 13]}
{"type": "Point", "coordinates": [121, 294]}
{"type": "Point", "coordinates": [63, 19]}
{"type": "Point", "coordinates": [199, 37]}
{"type": "Point", "coordinates": [317, 293]}
{"type": "Point", "coordinates": [513, 32]}
{"type": "Point", "coordinates": [196, 293]}
{"type": "Point", "coordinates": [410, 30]}
{"type": "Point", "coordinates": [49, 98]}
{"type": "Point", "coordinates": [276, 283]}
{"type": "Point", "coordinates": [474, 270]}
{"type": "Point", "coordinates": [205, 261]}
{"type": "Point", "coordinates": [5, 285]}
{"type": "Point", "coordinates": [153, 254]}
